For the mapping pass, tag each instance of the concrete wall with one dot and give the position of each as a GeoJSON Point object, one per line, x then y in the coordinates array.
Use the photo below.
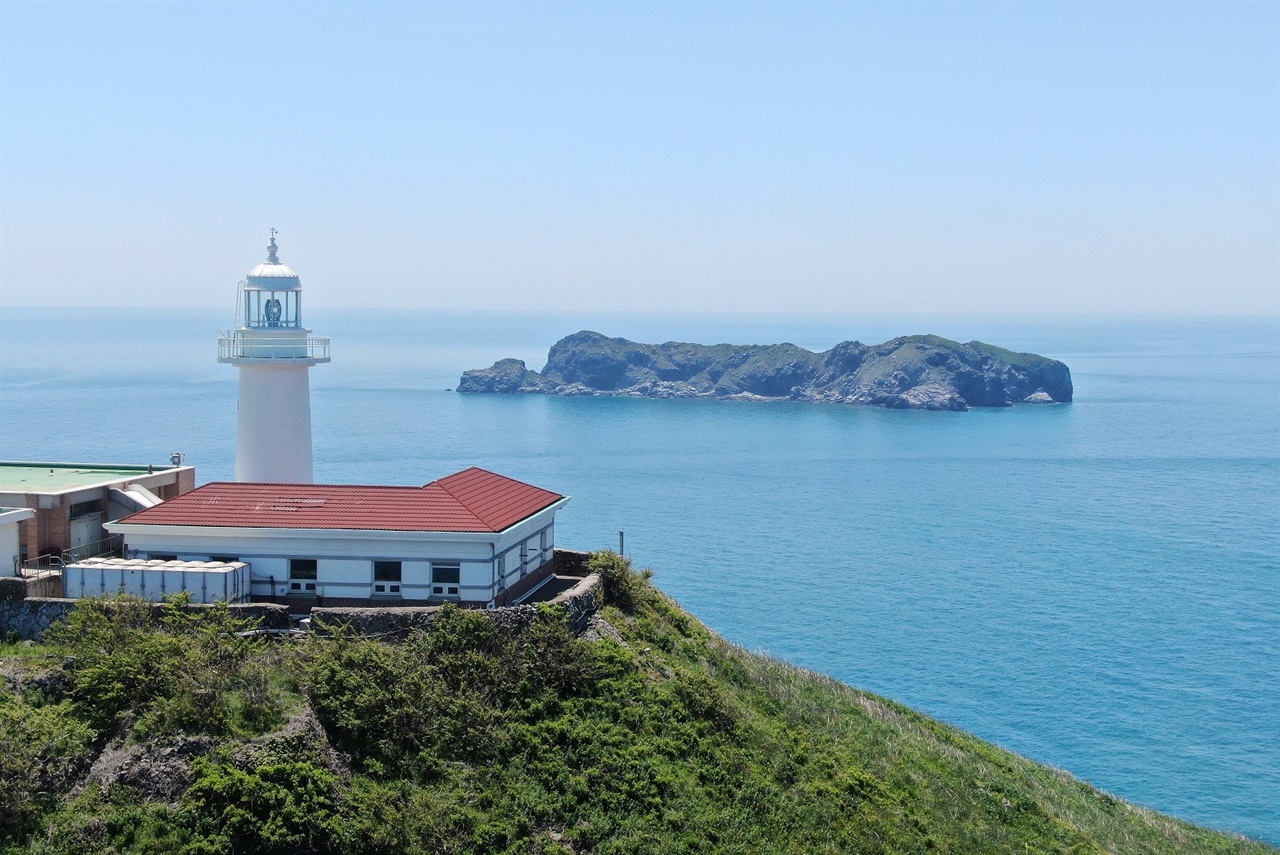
{"type": "Point", "coordinates": [48, 585]}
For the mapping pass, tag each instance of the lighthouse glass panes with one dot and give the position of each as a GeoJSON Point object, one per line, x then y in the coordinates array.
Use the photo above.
{"type": "Point", "coordinates": [272, 309]}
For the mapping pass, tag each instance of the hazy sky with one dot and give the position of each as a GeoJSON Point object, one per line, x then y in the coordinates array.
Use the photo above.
{"type": "Point", "coordinates": [845, 157]}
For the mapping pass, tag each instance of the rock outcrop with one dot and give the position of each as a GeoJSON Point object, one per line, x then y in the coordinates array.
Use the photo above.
{"type": "Point", "coordinates": [922, 372]}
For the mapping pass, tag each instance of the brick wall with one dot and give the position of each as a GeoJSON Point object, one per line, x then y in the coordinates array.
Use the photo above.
{"type": "Point", "coordinates": [29, 532]}
{"type": "Point", "coordinates": [525, 585]}
{"type": "Point", "coordinates": [53, 530]}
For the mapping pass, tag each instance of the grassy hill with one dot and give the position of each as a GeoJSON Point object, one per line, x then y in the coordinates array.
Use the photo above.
{"type": "Point", "coordinates": [650, 735]}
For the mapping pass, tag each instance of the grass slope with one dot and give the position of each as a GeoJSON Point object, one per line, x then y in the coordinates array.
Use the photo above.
{"type": "Point", "coordinates": [122, 735]}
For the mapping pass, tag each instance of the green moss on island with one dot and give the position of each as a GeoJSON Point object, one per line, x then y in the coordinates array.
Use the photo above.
{"type": "Point", "coordinates": [651, 734]}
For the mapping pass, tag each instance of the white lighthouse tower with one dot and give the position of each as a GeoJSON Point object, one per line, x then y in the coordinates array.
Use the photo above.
{"type": "Point", "coordinates": [274, 353]}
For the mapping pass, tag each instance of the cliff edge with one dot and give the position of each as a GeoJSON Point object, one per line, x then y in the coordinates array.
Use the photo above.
{"type": "Point", "coordinates": [921, 372]}
{"type": "Point", "coordinates": [191, 733]}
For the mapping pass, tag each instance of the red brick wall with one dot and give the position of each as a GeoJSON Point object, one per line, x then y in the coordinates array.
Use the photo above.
{"type": "Point", "coordinates": [184, 483]}
{"type": "Point", "coordinates": [49, 532]}
{"type": "Point", "coordinates": [524, 586]}
{"type": "Point", "coordinates": [29, 531]}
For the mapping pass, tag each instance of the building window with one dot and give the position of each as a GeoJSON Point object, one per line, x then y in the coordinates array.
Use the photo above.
{"type": "Point", "coordinates": [302, 575]}
{"type": "Point", "coordinates": [524, 557]}
{"type": "Point", "coordinates": [444, 579]}
{"type": "Point", "coordinates": [163, 556]}
{"type": "Point", "coordinates": [386, 578]}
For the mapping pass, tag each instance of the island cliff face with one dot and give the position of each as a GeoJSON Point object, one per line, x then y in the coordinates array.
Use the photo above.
{"type": "Point", "coordinates": [922, 372]}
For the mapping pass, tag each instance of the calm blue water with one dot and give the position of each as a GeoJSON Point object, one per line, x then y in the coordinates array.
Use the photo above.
{"type": "Point", "coordinates": [1096, 586]}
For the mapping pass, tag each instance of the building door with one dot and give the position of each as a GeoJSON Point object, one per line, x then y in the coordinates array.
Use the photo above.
{"type": "Point", "coordinates": [86, 530]}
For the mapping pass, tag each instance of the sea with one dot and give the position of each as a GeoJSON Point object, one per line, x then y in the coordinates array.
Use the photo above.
{"type": "Point", "coordinates": [1094, 585]}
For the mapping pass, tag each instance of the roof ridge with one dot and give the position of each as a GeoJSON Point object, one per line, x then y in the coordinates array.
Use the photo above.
{"type": "Point", "coordinates": [473, 500]}
{"type": "Point", "coordinates": [286, 484]}
{"type": "Point", "coordinates": [461, 503]}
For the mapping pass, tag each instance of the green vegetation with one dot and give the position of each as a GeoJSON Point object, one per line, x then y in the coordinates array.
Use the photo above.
{"type": "Point", "coordinates": [126, 734]}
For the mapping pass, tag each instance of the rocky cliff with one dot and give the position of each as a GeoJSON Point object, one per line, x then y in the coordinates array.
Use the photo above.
{"type": "Point", "coordinates": [923, 372]}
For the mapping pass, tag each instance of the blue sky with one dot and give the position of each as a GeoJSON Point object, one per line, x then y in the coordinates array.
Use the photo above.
{"type": "Point", "coordinates": [841, 157]}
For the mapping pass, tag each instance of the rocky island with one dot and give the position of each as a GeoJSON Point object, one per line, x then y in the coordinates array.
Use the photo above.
{"type": "Point", "coordinates": [921, 372]}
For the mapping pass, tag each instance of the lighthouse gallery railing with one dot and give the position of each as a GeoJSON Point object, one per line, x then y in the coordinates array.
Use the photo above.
{"type": "Point", "coordinates": [237, 347]}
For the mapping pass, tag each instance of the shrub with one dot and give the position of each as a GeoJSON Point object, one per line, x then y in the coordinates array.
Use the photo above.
{"type": "Point", "coordinates": [280, 807]}
{"type": "Point", "coordinates": [622, 586]}
{"type": "Point", "coordinates": [41, 750]}
{"type": "Point", "coordinates": [168, 670]}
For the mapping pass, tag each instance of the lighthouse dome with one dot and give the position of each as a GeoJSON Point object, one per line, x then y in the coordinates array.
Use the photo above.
{"type": "Point", "coordinates": [271, 275]}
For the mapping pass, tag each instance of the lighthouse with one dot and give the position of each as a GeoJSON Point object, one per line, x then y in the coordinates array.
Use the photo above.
{"type": "Point", "coordinates": [274, 353]}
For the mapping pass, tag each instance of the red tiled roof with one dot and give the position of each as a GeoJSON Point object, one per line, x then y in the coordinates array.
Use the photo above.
{"type": "Point", "coordinates": [470, 500]}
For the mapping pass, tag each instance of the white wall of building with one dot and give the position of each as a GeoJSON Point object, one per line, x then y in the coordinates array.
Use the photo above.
{"type": "Point", "coordinates": [10, 543]}
{"type": "Point", "coordinates": [529, 551]}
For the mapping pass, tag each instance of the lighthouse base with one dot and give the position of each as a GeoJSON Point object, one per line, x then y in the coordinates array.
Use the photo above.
{"type": "Point", "coordinates": [273, 424]}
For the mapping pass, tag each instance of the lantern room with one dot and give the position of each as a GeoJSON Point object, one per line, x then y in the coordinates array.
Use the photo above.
{"type": "Point", "coordinates": [271, 297]}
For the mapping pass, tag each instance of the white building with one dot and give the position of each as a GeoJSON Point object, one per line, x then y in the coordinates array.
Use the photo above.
{"type": "Point", "coordinates": [10, 541]}
{"type": "Point", "coordinates": [474, 537]}
{"type": "Point", "coordinates": [274, 353]}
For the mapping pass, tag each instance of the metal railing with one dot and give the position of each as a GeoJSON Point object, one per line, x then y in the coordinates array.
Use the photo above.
{"type": "Point", "coordinates": [240, 347]}
{"type": "Point", "coordinates": [53, 562]}
{"type": "Point", "coordinates": [112, 545]}
{"type": "Point", "coordinates": [282, 324]}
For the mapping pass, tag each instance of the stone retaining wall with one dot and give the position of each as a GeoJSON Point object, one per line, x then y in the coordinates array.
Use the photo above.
{"type": "Point", "coordinates": [579, 603]}
{"type": "Point", "coordinates": [569, 562]}
{"type": "Point", "coordinates": [30, 616]}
